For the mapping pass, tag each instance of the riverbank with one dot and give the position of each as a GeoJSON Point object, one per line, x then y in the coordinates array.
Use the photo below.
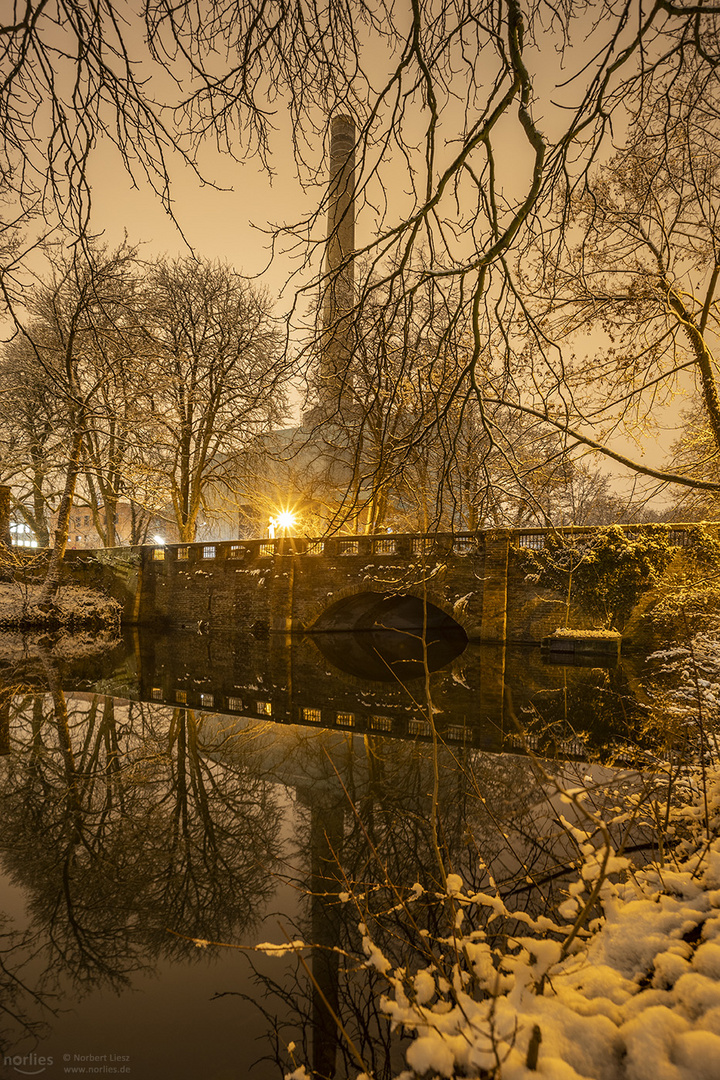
{"type": "Point", "coordinates": [73, 606]}
{"type": "Point", "coordinates": [629, 994]}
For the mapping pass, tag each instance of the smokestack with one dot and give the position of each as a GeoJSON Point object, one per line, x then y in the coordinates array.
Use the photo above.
{"type": "Point", "coordinates": [341, 198]}
{"type": "Point", "coordinates": [339, 297]}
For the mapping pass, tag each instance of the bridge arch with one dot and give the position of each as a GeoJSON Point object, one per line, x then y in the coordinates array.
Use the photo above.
{"type": "Point", "coordinates": [372, 609]}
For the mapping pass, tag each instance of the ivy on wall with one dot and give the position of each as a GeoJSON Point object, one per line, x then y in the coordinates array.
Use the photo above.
{"type": "Point", "coordinates": [604, 572]}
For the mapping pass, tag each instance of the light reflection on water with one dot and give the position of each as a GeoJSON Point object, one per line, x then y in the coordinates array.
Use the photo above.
{"type": "Point", "coordinates": [132, 826]}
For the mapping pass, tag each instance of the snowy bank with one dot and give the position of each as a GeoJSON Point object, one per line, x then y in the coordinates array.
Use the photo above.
{"type": "Point", "coordinates": [621, 983]}
{"type": "Point", "coordinates": [72, 606]}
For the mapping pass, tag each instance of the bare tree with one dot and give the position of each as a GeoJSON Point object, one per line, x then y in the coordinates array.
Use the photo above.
{"type": "Point", "coordinates": [114, 452]}
{"type": "Point", "coordinates": [641, 274]}
{"type": "Point", "coordinates": [81, 322]}
{"type": "Point", "coordinates": [216, 380]}
{"type": "Point", "coordinates": [33, 437]}
{"type": "Point", "coordinates": [696, 452]}
{"type": "Point", "coordinates": [407, 450]}
{"type": "Point", "coordinates": [466, 143]}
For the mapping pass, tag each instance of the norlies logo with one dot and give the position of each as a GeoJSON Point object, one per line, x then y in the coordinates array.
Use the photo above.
{"type": "Point", "coordinates": [29, 1064]}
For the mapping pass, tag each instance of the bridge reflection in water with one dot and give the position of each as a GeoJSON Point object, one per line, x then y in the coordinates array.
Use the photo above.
{"type": "Point", "coordinates": [247, 720]}
{"type": "Point", "coordinates": [491, 697]}
{"type": "Point", "coordinates": [389, 655]}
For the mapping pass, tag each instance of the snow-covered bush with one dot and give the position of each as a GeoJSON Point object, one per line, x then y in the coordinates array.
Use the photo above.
{"type": "Point", "coordinates": [73, 606]}
{"type": "Point", "coordinates": [686, 599]}
{"type": "Point", "coordinates": [622, 982]}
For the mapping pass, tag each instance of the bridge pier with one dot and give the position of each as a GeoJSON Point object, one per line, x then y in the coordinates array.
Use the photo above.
{"type": "Point", "coordinates": [282, 594]}
{"type": "Point", "coordinates": [492, 684]}
{"type": "Point", "coordinates": [495, 587]}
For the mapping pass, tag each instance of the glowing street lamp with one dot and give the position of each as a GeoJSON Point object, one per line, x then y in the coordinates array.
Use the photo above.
{"type": "Point", "coordinates": [285, 521]}
{"type": "Point", "coordinates": [282, 524]}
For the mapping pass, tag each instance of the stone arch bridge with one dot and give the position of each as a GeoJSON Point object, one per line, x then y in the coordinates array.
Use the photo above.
{"type": "Point", "coordinates": [477, 580]}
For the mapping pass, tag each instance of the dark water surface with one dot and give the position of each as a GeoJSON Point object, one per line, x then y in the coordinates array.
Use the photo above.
{"type": "Point", "coordinates": [160, 795]}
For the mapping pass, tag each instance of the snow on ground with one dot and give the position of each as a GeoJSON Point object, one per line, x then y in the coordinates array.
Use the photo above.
{"type": "Point", "coordinates": [72, 605]}
{"type": "Point", "coordinates": [635, 996]}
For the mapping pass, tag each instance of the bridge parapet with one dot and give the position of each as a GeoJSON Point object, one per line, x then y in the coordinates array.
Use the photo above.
{"type": "Point", "coordinates": [679, 535]}
{"type": "Point", "coordinates": [403, 545]}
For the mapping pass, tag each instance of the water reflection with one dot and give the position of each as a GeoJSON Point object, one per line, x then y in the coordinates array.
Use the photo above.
{"type": "Point", "coordinates": [390, 655]}
{"type": "Point", "coordinates": [120, 828]}
{"type": "Point", "coordinates": [491, 697]}
{"type": "Point", "coordinates": [177, 809]}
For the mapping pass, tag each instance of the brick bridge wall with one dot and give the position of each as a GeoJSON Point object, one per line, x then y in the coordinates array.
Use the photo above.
{"type": "Point", "coordinates": [285, 585]}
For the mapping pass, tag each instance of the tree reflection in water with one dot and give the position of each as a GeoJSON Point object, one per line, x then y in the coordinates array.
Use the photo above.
{"type": "Point", "coordinates": [121, 827]}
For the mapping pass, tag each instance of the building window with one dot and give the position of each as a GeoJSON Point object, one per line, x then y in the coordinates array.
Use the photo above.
{"type": "Point", "coordinates": [312, 716]}
{"type": "Point", "coordinates": [158, 553]}
{"type": "Point", "coordinates": [237, 551]}
{"type": "Point", "coordinates": [348, 547]}
{"type": "Point", "coordinates": [181, 697]}
{"type": "Point", "coordinates": [209, 551]}
{"type": "Point", "coordinates": [316, 547]}
{"type": "Point", "coordinates": [235, 703]}
{"type": "Point", "coordinates": [346, 719]}
{"type": "Point", "coordinates": [21, 535]}
{"type": "Point", "coordinates": [207, 700]}
{"type": "Point", "coordinates": [267, 550]}
{"type": "Point", "coordinates": [384, 547]}
{"type": "Point", "coordinates": [264, 708]}
{"type": "Point", "coordinates": [156, 693]}
{"type": "Point", "coordinates": [183, 553]}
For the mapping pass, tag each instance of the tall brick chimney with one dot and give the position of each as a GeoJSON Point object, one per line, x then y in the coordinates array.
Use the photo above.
{"type": "Point", "coordinates": [339, 291]}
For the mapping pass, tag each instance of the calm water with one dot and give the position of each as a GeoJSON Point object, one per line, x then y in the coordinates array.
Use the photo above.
{"type": "Point", "coordinates": [158, 792]}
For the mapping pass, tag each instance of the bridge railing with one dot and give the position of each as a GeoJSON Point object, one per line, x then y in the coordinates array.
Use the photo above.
{"type": "Point", "coordinates": [679, 534]}
{"type": "Point", "coordinates": [404, 545]}
{"type": "Point", "coordinates": [388, 545]}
